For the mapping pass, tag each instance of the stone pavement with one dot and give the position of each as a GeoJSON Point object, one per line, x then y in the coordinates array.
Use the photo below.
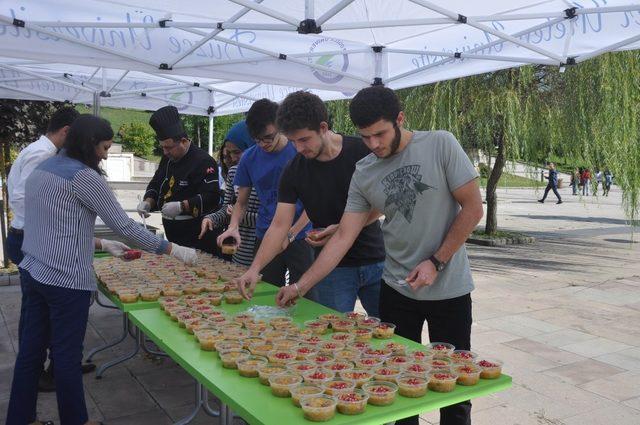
{"type": "Point", "coordinates": [562, 313]}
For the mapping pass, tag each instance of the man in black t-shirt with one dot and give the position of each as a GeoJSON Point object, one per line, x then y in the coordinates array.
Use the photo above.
{"type": "Point", "coordinates": [319, 176]}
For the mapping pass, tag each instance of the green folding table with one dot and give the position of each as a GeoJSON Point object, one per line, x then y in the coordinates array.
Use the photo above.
{"type": "Point", "coordinates": [254, 402]}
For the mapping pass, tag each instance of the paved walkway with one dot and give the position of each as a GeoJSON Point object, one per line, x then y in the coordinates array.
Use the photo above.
{"type": "Point", "coordinates": [562, 313]}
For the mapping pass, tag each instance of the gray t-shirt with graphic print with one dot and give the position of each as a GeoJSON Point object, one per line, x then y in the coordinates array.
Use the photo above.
{"type": "Point", "coordinates": [413, 189]}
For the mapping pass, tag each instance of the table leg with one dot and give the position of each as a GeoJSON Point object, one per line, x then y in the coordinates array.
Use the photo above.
{"type": "Point", "coordinates": [112, 344]}
{"type": "Point", "coordinates": [136, 348]}
{"type": "Point", "coordinates": [104, 305]}
{"type": "Point", "coordinates": [150, 351]}
{"type": "Point", "coordinates": [202, 402]}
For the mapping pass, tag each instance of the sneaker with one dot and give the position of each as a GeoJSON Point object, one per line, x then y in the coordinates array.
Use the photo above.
{"type": "Point", "coordinates": [541, 201]}
{"type": "Point", "coordinates": [559, 202]}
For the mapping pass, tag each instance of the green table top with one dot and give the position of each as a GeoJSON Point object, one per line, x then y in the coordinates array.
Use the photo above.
{"type": "Point", "coordinates": [254, 402]}
{"type": "Point", "coordinates": [262, 289]}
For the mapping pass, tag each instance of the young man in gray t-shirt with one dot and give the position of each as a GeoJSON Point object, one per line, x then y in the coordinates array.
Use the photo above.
{"type": "Point", "coordinates": [427, 189]}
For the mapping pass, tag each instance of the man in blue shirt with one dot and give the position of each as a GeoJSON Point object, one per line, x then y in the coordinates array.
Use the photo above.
{"type": "Point", "coordinates": [260, 168]}
{"type": "Point", "coordinates": [552, 185]}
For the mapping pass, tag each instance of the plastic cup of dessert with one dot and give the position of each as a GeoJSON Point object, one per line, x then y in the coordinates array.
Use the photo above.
{"type": "Point", "coordinates": [248, 367]}
{"type": "Point", "coordinates": [381, 393]}
{"type": "Point", "coordinates": [330, 347]}
{"type": "Point", "coordinates": [261, 349]}
{"type": "Point", "coordinates": [268, 370]}
{"type": "Point", "coordinates": [322, 360]}
{"type": "Point", "coordinates": [281, 357]}
{"type": "Point", "coordinates": [343, 325]}
{"type": "Point", "coordinates": [369, 322]}
{"type": "Point", "coordinates": [442, 382]}
{"type": "Point", "coordinates": [491, 369]}
{"type": "Point", "coordinates": [421, 356]}
{"type": "Point", "coordinates": [412, 386]}
{"type": "Point", "coordinates": [384, 330]}
{"type": "Point", "coordinates": [354, 315]}
{"type": "Point", "coordinates": [318, 327]}
{"type": "Point", "coordinates": [339, 365]}
{"type": "Point", "coordinates": [397, 349]}
{"type": "Point", "coordinates": [338, 385]}
{"type": "Point", "coordinates": [233, 297]}
{"type": "Point", "coordinates": [359, 376]}
{"type": "Point", "coordinates": [225, 345]}
{"type": "Point", "coordinates": [281, 384]}
{"type": "Point", "coordinates": [463, 356]}
{"type": "Point", "coordinates": [419, 369]}
{"type": "Point", "coordinates": [286, 344]}
{"type": "Point", "coordinates": [207, 339]}
{"type": "Point", "coordinates": [305, 351]}
{"type": "Point", "coordinates": [150, 294]}
{"type": "Point", "coordinates": [347, 354]}
{"type": "Point", "coordinates": [318, 377]}
{"type": "Point", "coordinates": [352, 402]}
{"type": "Point", "coordinates": [301, 367]}
{"type": "Point", "coordinates": [398, 361]}
{"type": "Point", "coordinates": [362, 334]}
{"type": "Point", "coordinates": [387, 373]}
{"type": "Point", "coordinates": [441, 349]}
{"type": "Point", "coordinates": [342, 337]}
{"type": "Point", "coordinates": [318, 408]}
{"type": "Point", "coordinates": [441, 364]}
{"type": "Point", "coordinates": [329, 318]}
{"type": "Point", "coordinates": [368, 362]}
{"type": "Point", "coordinates": [468, 373]}
{"type": "Point", "coordinates": [304, 390]}
{"type": "Point", "coordinates": [231, 357]}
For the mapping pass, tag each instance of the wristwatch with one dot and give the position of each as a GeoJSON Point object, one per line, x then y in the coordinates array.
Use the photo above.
{"type": "Point", "coordinates": [440, 265]}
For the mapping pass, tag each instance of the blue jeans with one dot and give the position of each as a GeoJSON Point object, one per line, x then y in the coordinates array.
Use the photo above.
{"type": "Point", "coordinates": [343, 285]}
{"type": "Point", "coordinates": [56, 315]}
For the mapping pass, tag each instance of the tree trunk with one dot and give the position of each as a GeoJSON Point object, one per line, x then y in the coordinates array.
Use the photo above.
{"type": "Point", "coordinates": [491, 225]}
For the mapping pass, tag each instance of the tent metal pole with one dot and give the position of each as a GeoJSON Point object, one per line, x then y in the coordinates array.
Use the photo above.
{"type": "Point", "coordinates": [309, 9]}
{"type": "Point", "coordinates": [240, 96]}
{"type": "Point", "coordinates": [29, 92]}
{"type": "Point", "coordinates": [208, 37]}
{"type": "Point", "coordinates": [567, 42]}
{"type": "Point", "coordinates": [187, 26]}
{"type": "Point", "coordinates": [476, 49]}
{"type": "Point", "coordinates": [211, 135]}
{"type": "Point", "coordinates": [267, 11]}
{"type": "Point", "coordinates": [155, 89]}
{"type": "Point", "coordinates": [96, 104]}
{"type": "Point", "coordinates": [177, 102]}
{"type": "Point", "coordinates": [608, 48]}
{"type": "Point", "coordinates": [28, 25]}
{"type": "Point", "coordinates": [333, 12]}
{"type": "Point", "coordinates": [44, 77]}
{"type": "Point", "coordinates": [465, 55]}
{"type": "Point", "coordinates": [86, 82]}
{"type": "Point", "coordinates": [117, 82]}
{"type": "Point", "coordinates": [455, 16]}
{"type": "Point", "coordinates": [215, 89]}
{"type": "Point", "coordinates": [268, 58]}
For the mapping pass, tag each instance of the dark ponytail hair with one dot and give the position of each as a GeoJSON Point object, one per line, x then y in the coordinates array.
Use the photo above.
{"type": "Point", "coordinates": [84, 135]}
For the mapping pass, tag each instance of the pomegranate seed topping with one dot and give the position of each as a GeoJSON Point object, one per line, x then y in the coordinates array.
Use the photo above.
{"type": "Point", "coordinates": [349, 397]}
{"type": "Point", "coordinates": [442, 376]}
{"type": "Point", "coordinates": [485, 363]}
{"type": "Point", "coordinates": [440, 347]}
{"type": "Point", "coordinates": [413, 381]}
{"type": "Point", "coordinates": [318, 375]}
{"type": "Point", "coordinates": [339, 385]}
{"type": "Point", "coordinates": [381, 389]}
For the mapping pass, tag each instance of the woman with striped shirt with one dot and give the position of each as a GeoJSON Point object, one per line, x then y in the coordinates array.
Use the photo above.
{"type": "Point", "coordinates": [63, 196]}
{"type": "Point", "coordinates": [236, 141]}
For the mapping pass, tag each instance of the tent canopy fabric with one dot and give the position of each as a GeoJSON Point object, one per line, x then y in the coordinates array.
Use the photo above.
{"type": "Point", "coordinates": [216, 57]}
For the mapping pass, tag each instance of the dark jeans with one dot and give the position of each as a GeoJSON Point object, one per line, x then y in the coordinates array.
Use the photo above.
{"type": "Point", "coordinates": [14, 252]}
{"type": "Point", "coordinates": [555, 191]}
{"type": "Point", "coordinates": [185, 232]}
{"type": "Point", "coordinates": [56, 315]}
{"type": "Point", "coordinates": [297, 258]}
{"type": "Point", "coordinates": [449, 321]}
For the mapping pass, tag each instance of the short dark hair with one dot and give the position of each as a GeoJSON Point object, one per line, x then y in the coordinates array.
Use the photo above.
{"type": "Point", "coordinates": [260, 115]}
{"type": "Point", "coordinates": [372, 104]}
{"type": "Point", "coordinates": [301, 110]}
{"type": "Point", "coordinates": [83, 137]}
{"type": "Point", "coordinates": [62, 118]}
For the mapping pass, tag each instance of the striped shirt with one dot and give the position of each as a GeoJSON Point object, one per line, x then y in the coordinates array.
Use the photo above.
{"type": "Point", "coordinates": [247, 227]}
{"type": "Point", "coordinates": [63, 198]}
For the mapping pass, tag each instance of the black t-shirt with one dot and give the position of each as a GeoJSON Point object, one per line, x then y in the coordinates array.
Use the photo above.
{"type": "Point", "coordinates": [323, 188]}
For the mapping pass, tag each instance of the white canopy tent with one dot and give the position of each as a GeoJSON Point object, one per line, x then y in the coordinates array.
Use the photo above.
{"type": "Point", "coordinates": [213, 58]}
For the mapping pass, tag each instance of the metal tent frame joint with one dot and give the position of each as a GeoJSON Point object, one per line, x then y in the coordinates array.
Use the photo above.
{"type": "Point", "coordinates": [377, 49]}
{"type": "Point", "coordinates": [462, 19]}
{"type": "Point", "coordinates": [210, 110]}
{"type": "Point", "coordinates": [570, 13]}
{"type": "Point", "coordinates": [282, 56]}
{"type": "Point", "coordinates": [162, 23]}
{"type": "Point", "coordinates": [377, 81]}
{"type": "Point", "coordinates": [105, 93]}
{"type": "Point", "coordinates": [165, 66]}
{"type": "Point", "coordinates": [457, 55]}
{"type": "Point", "coordinates": [309, 26]}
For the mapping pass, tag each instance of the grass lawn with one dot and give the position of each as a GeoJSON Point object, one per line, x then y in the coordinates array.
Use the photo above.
{"type": "Point", "coordinates": [512, 180]}
{"type": "Point", "coordinates": [117, 117]}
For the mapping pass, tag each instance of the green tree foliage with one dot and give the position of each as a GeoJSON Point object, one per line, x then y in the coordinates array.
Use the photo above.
{"type": "Point", "coordinates": [138, 138]}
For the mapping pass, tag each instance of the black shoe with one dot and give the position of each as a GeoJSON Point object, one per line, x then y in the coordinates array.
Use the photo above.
{"type": "Point", "coordinates": [559, 202]}
{"type": "Point", "coordinates": [541, 201]}
{"type": "Point", "coordinates": [88, 368]}
{"type": "Point", "coordinates": [46, 383]}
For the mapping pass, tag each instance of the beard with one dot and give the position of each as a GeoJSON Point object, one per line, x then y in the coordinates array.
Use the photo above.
{"type": "Point", "coordinates": [395, 143]}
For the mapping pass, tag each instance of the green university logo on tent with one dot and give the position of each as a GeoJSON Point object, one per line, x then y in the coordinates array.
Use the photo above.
{"type": "Point", "coordinates": [337, 62]}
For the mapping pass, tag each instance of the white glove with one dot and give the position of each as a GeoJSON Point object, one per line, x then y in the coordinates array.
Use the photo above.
{"type": "Point", "coordinates": [115, 248]}
{"type": "Point", "coordinates": [143, 209]}
{"type": "Point", "coordinates": [172, 209]}
{"type": "Point", "coordinates": [185, 254]}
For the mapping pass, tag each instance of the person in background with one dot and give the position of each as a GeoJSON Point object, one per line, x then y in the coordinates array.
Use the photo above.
{"type": "Point", "coordinates": [185, 186]}
{"type": "Point", "coordinates": [575, 181]}
{"type": "Point", "coordinates": [427, 188]}
{"type": "Point", "coordinates": [28, 159]}
{"type": "Point", "coordinates": [608, 181]}
{"type": "Point", "coordinates": [64, 194]}
{"type": "Point", "coordinates": [552, 184]}
{"type": "Point", "coordinates": [236, 142]}
{"type": "Point", "coordinates": [586, 181]}
{"type": "Point", "coordinates": [598, 182]}
{"type": "Point", "coordinates": [319, 177]}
